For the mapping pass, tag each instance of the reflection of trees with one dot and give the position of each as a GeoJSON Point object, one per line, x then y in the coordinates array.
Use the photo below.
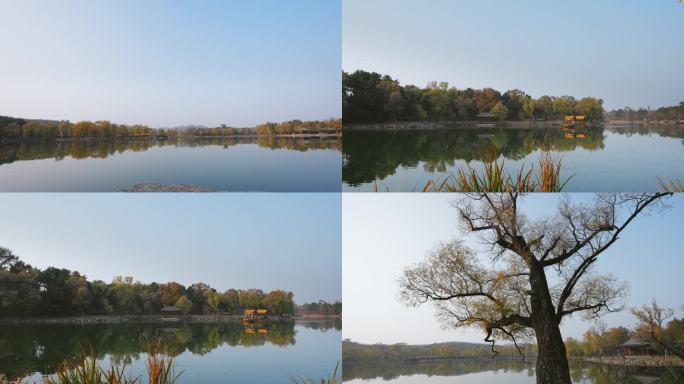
{"type": "Point", "coordinates": [368, 155]}
{"type": "Point", "coordinates": [39, 348]}
{"type": "Point", "coordinates": [580, 372]}
{"type": "Point", "coordinates": [608, 374]}
{"type": "Point", "coordinates": [11, 152]}
{"type": "Point", "coordinates": [323, 325]}
{"type": "Point", "coordinates": [662, 130]}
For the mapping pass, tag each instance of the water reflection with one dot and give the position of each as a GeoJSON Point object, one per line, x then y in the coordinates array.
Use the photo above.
{"type": "Point", "coordinates": [371, 155]}
{"type": "Point", "coordinates": [20, 151]}
{"type": "Point", "coordinates": [41, 347]}
{"type": "Point", "coordinates": [580, 372]}
{"type": "Point", "coordinates": [368, 155]}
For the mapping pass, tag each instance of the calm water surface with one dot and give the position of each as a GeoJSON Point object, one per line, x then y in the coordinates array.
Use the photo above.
{"type": "Point", "coordinates": [494, 372]}
{"type": "Point", "coordinates": [609, 158]}
{"type": "Point", "coordinates": [248, 164]}
{"type": "Point", "coordinates": [223, 352]}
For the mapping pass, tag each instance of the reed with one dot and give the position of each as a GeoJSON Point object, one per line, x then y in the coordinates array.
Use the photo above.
{"type": "Point", "coordinates": [496, 178]}
{"type": "Point", "coordinates": [160, 368]}
{"type": "Point", "coordinates": [548, 178]}
{"type": "Point", "coordinates": [669, 185]}
{"type": "Point", "coordinates": [334, 378]}
{"type": "Point", "coordinates": [85, 370]}
{"type": "Point", "coordinates": [82, 371]}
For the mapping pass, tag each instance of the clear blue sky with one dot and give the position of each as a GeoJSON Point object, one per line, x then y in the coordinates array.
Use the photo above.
{"type": "Point", "coordinates": [266, 241]}
{"type": "Point", "coordinates": [167, 63]}
{"type": "Point", "coordinates": [628, 52]}
{"type": "Point", "coordinates": [384, 233]}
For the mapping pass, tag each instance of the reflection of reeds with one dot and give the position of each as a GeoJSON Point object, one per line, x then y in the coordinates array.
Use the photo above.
{"type": "Point", "coordinates": [670, 185]}
{"type": "Point", "coordinates": [496, 178]}
{"type": "Point", "coordinates": [332, 379]}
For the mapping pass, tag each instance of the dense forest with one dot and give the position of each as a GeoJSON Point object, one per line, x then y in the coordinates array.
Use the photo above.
{"type": "Point", "coordinates": [375, 98]}
{"type": "Point", "coordinates": [25, 129]}
{"type": "Point", "coordinates": [26, 291]}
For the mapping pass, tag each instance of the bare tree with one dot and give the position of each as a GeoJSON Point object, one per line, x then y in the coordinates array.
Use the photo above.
{"type": "Point", "coordinates": [541, 270]}
{"type": "Point", "coordinates": [652, 319]}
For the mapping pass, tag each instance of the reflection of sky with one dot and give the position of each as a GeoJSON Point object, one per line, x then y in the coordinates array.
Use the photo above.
{"type": "Point", "coordinates": [245, 167]}
{"type": "Point", "coordinates": [168, 63]}
{"type": "Point", "coordinates": [384, 233]}
{"type": "Point", "coordinates": [626, 163]}
{"type": "Point", "coordinates": [227, 240]}
{"type": "Point", "coordinates": [627, 52]}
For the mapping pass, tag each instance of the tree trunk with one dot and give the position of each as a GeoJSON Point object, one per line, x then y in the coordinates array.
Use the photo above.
{"type": "Point", "coordinates": [552, 361]}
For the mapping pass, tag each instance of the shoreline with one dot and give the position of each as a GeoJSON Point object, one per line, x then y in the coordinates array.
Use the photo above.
{"type": "Point", "coordinates": [112, 319]}
{"type": "Point", "coordinates": [171, 140]}
{"type": "Point", "coordinates": [435, 125]}
{"type": "Point", "coordinates": [455, 125]}
{"type": "Point", "coordinates": [635, 361]}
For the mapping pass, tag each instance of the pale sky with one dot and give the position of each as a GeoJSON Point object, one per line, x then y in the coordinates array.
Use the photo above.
{"type": "Point", "coordinates": [171, 62]}
{"type": "Point", "coordinates": [288, 241]}
{"type": "Point", "coordinates": [628, 52]}
{"type": "Point", "coordinates": [384, 233]}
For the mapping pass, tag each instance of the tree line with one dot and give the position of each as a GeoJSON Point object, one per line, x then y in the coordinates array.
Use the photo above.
{"type": "Point", "coordinates": [331, 126]}
{"type": "Point", "coordinates": [353, 351]}
{"type": "Point", "coordinates": [671, 113]}
{"type": "Point", "coordinates": [26, 291]}
{"type": "Point", "coordinates": [321, 308]}
{"type": "Point", "coordinates": [656, 326]}
{"type": "Point", "coordinates": [25, 129]}
{"type": "Point", "coordinates": [370, 97]}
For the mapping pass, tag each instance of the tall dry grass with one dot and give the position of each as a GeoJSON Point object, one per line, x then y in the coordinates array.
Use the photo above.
{"type": "Point", "coordinates": [496, 178]}
{"type": "Point", "coordinates": [86, 370]}
{"type": "Point", "coordinates": [334, 378]}
{"type": "Point", "coordinates": [670, 185]}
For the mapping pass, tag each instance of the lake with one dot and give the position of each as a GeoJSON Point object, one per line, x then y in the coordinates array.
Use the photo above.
{"type": "Point", "coordinates": [222, 352]}
{"type": "Point", "coordinates": [608, 158]}
{"type": "Point", "coordinates": [498, 371]}
{"type": "Point", "coordinates": [273, 164]}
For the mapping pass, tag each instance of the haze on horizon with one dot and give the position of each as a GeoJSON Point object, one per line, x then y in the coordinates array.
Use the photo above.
{"type": "Point", "coordinates": [289, 241]}
{"type": "Point", "coordinates": [627, 52]}
{"type": "Point", "coordinates": [171, 63]}
{"type": "Point", "coordinates": [385, 234]}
